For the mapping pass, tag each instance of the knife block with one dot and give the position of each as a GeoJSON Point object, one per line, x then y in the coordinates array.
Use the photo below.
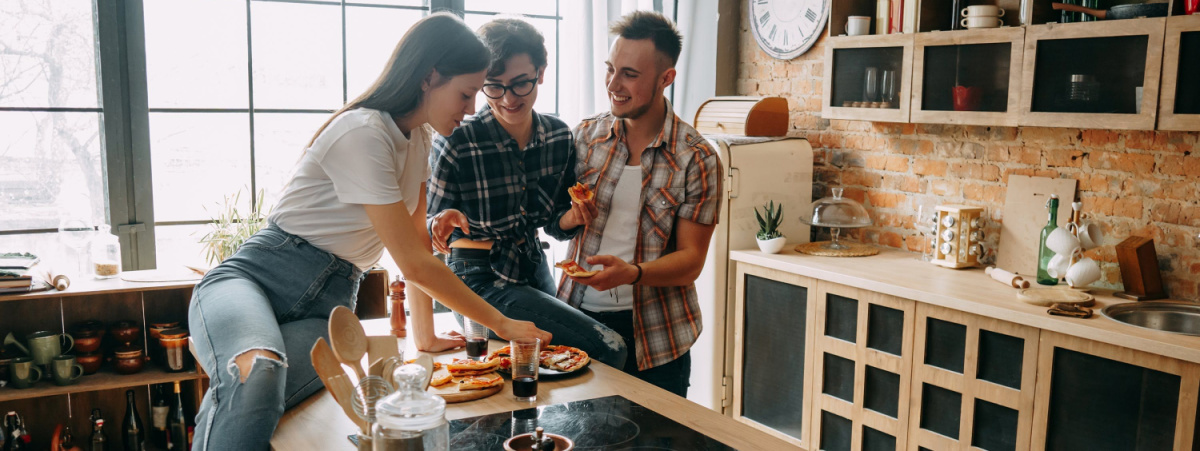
{"type": "Point", "coordinates": [1139, 270]}
{"type": "Point", "coordinates": [959, 236]}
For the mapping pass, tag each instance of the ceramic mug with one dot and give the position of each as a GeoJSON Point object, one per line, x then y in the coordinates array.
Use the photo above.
{"type": "Point", "coordinates": [1062, 242]}
{"type": "Point", "coordinates": [981, 22]}
{"type": "Point", "coordinates": [966, 98]}
{"type": "Point", "coordinates": [1090, 235]}
{"type": "Point", "coordinates": [1057, 268]}
{"type": "Point", "coordinates": [983, 10]}
{"type": "Point", "coordinates": [64, 370]}
{"type": "Point", "coordinates": [1083, 273]}
{"type": "Point", "coordinates": [45, 345]}
{"type": "Point", "coordinates": [23, 373]}
{"type": "Point", "coordinates": [858, 25]}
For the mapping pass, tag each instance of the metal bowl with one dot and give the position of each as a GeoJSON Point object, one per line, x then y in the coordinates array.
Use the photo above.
{"type": "Point", "coordinates": [1167, 316]}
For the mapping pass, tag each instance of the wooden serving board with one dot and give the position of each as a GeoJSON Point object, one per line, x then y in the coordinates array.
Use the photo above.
{"type": "Point", "coordinates": [451, 394]}
{"type": "Point", "coordinates": [1049, 296]}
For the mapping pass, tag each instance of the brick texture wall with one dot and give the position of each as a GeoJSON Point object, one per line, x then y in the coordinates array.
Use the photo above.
{"type": "Point", "coordinates": [1131, 183]}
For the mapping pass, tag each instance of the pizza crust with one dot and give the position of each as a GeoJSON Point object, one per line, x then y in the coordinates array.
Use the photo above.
{"type": "Point", "coordinates": [574, 270]}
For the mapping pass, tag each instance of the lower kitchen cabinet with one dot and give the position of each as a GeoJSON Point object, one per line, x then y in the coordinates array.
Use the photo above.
{"type": "Point", "coordinates": [973, 382]}
{"type": "Point", "coordinates": [1099, 396]}
{"type": "Point", "coordinates": [772, 342]}
{"type": "Point", "coordinates": [862, 357]}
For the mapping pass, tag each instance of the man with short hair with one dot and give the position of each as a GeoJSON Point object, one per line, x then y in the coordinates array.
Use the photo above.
{"type": "Point", "coordinates": [499, 177]}
{"type": "Point", "coordinates": [657, 187]}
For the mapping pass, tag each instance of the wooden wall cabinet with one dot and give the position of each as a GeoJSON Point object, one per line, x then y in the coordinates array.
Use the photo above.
{"type": "Point", "coordinates": [1180, 109]}
{"type": "Point", "coordinates": [986, 64]}
{"type": "Point", "coordinates": [849, 61]}
{"type": "Point", "coordinates": [1111, 59]}
{"type": "Point", "coordinates": [774, 314]}
{"type": "Point", "coordinates": [862, 365]}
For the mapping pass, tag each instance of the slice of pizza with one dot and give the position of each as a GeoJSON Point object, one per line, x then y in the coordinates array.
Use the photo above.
{"type": "Point", "coordinates": [440, 377]}
{"type": "Point", "coordinates": [576, 359]}
{"type": "Point", "coordinates": [580, 193]}
{"type": "Point", "coordinates": [479, 382]}
{"type": "Point", "coordinates": [469, 367]}
{"type": "Point", "coordinates": [573, 269]}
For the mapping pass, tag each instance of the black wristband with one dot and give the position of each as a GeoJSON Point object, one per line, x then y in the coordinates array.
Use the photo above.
{"type": "Point", "coordinates": [639, 276]}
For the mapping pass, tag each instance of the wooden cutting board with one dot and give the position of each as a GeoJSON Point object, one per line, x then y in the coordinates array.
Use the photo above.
{"type": "Point", "coordinates": [1024, 217]}
{"type": "Point", "coordinates": [1049, 296]}
{"type": "Point", "coordinates": [452, 395]}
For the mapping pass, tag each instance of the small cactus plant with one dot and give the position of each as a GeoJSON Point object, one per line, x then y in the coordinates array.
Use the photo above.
{"type": "Point", "coordinates": [768, 228]}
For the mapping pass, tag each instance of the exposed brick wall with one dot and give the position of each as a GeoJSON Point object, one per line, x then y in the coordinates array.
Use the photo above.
{"type": "Point", "coordinates": [1132, 183]}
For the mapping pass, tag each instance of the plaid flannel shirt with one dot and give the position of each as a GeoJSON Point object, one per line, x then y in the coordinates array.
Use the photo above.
{"type": "Point", "coordinates": [682, 178]}
{"type": "Point", "coordinates": [507, 193]}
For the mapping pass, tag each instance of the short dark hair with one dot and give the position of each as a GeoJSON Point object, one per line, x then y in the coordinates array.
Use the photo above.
{"type": "Point", "coordinates": [653, 26]}
{"type": "Point", "coordinates": [507, 37]}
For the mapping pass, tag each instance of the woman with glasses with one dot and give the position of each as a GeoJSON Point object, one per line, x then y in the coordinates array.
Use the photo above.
{"type": "Point", "coordinates": [497, 179]}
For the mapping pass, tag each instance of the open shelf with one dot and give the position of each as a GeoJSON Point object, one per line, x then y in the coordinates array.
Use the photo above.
{"type": "Point", "coordinates": [986, 63]}
{"type": "Point", "coordinates": [105, 379]}
{"type": "Point", "coordinates": [1180, 109]}
{"type": "Point", "coordinates": [1085, 74]}
{"type": "Point", "coordinates": [849, 61]}
{"type": "Point", "coordinates": [943, 15]}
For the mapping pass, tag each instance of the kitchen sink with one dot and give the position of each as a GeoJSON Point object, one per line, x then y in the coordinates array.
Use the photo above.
{"type": "Point", "coordinates": [1168, 316]}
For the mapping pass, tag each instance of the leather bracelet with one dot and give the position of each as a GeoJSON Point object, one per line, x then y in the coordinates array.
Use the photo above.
{"type": "Point", "coordinates": [639, 276]}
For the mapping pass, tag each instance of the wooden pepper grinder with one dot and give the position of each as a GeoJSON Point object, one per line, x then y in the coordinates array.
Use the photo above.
{"type": "Point", "coordinates": [397, 305]}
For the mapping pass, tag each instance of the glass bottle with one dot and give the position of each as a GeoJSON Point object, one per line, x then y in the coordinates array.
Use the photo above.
{"type": "Point", "coordinates": [411, 418]}
{"type": "Point", "coordinates": [106, 254]}
{"type": "Point", "coordinates": [99, 441]}
{"type": "Point", "coordinates": [177, 430]}
{"type": "Point", "coordinates": [159, 410]}
{"type": "Point", "coordinates": [1044, 252]}
{"type": "Point", "coordinates": [133, 432]}
{"type": "Point", "coordinates": [14, 438]}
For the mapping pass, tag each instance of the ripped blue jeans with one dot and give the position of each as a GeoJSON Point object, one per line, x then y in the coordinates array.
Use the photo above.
{"type": "Point", "coordinates": [274, 294]}
{"type": "Point", "coordinates": [536, 302]}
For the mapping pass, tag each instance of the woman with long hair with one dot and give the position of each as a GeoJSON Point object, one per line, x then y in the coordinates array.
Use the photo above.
{"type": "Point", "coordinates": [359, 188]}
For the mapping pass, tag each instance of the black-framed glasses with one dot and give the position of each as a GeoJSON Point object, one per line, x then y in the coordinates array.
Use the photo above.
{"type": "Point", "coordinates": [521, 88]}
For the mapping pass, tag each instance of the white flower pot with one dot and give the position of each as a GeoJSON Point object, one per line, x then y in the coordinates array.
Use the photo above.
{"type": "Point", "coordinates": [771, 246]}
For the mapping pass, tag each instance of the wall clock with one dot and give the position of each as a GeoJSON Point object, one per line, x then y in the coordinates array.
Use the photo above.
{"type": "Point", "coordinates": [786, 29]}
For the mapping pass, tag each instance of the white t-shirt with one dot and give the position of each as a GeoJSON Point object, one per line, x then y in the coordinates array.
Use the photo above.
{"type": "Point", "coordinates": [619, 240]}
{"type": "Point", "coordinates": [362, 157]}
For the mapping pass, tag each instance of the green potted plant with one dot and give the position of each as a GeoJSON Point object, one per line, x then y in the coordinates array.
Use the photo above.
{"type": "Point", "coordinates": [769, 239]}
{"type": "Point", "coordinates": [232, 226]}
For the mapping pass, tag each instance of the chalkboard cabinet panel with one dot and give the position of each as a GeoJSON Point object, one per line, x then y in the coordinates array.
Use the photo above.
{"type": "Point", "coordinates": [868, 78]}
{"type": "Point", "coordinates": [1180, 106]}
{"type": "Point", "coordinates": [970, 77]}
{"type": "Point", "coordinates": [772, 352]}
{"type": "Point", "coordinates": [862, 352]}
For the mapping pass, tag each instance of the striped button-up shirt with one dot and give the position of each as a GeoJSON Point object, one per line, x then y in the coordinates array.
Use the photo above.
{"type": "Point", "coordinates": [681, 178]}
{"type": "Point", "coordinates": [506, 192]}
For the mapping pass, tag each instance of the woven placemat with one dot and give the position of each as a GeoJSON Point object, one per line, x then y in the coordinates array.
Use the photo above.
{"type": "Point", "coordinates": [855, 249]}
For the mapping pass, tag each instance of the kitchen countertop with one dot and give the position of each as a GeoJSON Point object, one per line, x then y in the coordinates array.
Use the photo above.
{"type": "Point", "coordinates": [904, 275]}
{"type": "Point", "coordinates": [318, 422]}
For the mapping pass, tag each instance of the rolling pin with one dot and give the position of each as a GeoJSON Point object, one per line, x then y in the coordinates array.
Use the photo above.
{"type": "Point", "coordinates": [1006, 277]}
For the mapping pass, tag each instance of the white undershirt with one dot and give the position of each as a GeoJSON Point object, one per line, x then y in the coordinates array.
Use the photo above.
{"type": "Point", "coordinates": [620, 240]}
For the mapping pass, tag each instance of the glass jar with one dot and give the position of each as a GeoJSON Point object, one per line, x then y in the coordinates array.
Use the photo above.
{"type": "Point", "coordinates": [106, 254]}
{"type": "Point", "coordinates": [411, 418]}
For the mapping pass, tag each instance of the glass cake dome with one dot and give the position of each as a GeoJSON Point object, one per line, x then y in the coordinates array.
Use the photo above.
{"type": "Point", "coordinates": [836, 212]}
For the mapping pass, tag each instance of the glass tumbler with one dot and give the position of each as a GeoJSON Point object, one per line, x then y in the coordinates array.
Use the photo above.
{"type": "Point", "coordinates": [888, 88]}
{"type": "Point", "coordinates": [871, 85]}
{"type": "Point", "coordinates": [525, 358]}
{"type": "Point", "coordinates": [477, 339]}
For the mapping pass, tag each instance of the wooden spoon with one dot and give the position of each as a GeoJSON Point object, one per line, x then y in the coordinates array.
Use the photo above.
{"type": "Point", "coordinates": [343, 392]}
{"type": "Point", "coordinates": [325, 361]}
{"type": "Point", "coordinates": [426, 361]}
{"type": "Point", "coordinates": [348, 339]}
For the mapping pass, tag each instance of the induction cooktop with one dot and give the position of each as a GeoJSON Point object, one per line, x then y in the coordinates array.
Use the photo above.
{"type": "Point", "coordinates": [611, 423]}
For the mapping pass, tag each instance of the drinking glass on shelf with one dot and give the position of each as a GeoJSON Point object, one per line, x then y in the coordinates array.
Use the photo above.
{"type": "Point", "coordinates": [75, 233]}
{"type": "Point", "coordinates": [526, 354]}
{"type": "Point", "coordinates": [888, 87]}
{"type": "Point", "coordinates": [871, 85]}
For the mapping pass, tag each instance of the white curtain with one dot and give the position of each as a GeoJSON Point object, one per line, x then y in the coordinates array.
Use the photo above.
{"type": "Point", "coordinates": [585, 41]}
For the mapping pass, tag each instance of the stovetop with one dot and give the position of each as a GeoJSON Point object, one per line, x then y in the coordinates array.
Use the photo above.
{"type": "Point", "coordinates": [611, 424]}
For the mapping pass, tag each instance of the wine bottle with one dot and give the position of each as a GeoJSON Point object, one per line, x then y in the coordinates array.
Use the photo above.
{"type": "Point", "coordinates": [99, 441]}
{"type": "Point", "coordinates": [177, 424]}
{"type": "Point", "coordinates": [1044, 252]}
{"type": "Point", "coordinates": [158, 418]}
{"type": "Point", "coordinates": [133, 432]}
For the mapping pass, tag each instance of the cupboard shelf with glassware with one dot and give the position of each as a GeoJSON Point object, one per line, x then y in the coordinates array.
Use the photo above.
{"type": "Point", "coordinates": [1085, 74]}
{"type": "Point", "coordinates": [970, 77]}
{"type": "Point", "coordinates": [841, 10]}
{"type": "Point", "coordinates": [868, 78]}
{"type": "Point", "coordinates": [1180, 105]}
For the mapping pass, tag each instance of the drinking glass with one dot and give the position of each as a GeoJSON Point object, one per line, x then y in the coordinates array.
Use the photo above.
{"type": "Point", "coordinates": [75, 233]}
{"type": "Point", "coordinates": [888, 87]}
{"type": "Point", "coordinates": [525, 358]}
{"type": "Point", "coordinates": [871, 85]}
{"type": "Point", "coordinates": [477, 339]}
{"type": "Point", "coordinates": [925, 224]}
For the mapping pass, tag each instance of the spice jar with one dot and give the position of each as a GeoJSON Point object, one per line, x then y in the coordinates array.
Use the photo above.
{"type": "Point", "coordinates": [175, 349]}
{"type": "Point", "coordinates": [106, 254]}
{"type": "Point", "coordinates": [128, 360]}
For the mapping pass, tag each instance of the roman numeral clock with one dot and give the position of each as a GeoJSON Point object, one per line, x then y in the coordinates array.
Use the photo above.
{"type": "Point", "coordinates": [786, 29]}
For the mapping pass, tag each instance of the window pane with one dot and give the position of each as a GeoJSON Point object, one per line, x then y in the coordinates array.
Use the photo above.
{"type": "Point", "coordinates": [420, 3]}
{"type": "Point", "coordinates": [197, 160]}
{"type": "Point", "coordinates": [51, 169]}
{"type": "Point", "coordinates": [279, 140]}
{"type": "Point", "coordinates": [371, 35]}
{"type": "Point", "coordinates": [179, 246]}
{"type": "Point", "coordinates": [196, 54]}
{"type": "Point", "coordinates": [47, 54]}
{"type": "Point", "coordinates": [542, 7]}
{"type": "Point", "coordinates": [297, 55]}
{"type": "Point", "coordinates": [547, 92]}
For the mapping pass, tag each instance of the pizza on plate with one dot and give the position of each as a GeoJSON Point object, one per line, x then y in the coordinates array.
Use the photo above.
{"type": "Point", "coordinates": [552, 357]}
{"type": "Point", "coordinates": [580, 193]}
{"type": "Point", "coordinates": [574, 270]}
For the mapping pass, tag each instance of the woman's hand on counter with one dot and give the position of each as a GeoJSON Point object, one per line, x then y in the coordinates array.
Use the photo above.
{"type": "Point", "coordinates": [443, 342]}
{"type": "Point", "coordinates": [512, 328]}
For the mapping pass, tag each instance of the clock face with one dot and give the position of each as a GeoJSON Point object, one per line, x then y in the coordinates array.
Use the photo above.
{"type": "Point", "coordinates": [786, 29]}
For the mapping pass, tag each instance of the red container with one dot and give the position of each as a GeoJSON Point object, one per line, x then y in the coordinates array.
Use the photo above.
{"type": "Point", "coordinates": [966, 98]}
{"type": "Point", "coordinates": [1192, 6]}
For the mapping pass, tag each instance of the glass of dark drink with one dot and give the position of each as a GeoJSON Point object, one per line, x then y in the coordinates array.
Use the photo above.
{"type": "Point", "coordinates": [477, 339]}
{"type": "Point", "coordinates": [525, 357]}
